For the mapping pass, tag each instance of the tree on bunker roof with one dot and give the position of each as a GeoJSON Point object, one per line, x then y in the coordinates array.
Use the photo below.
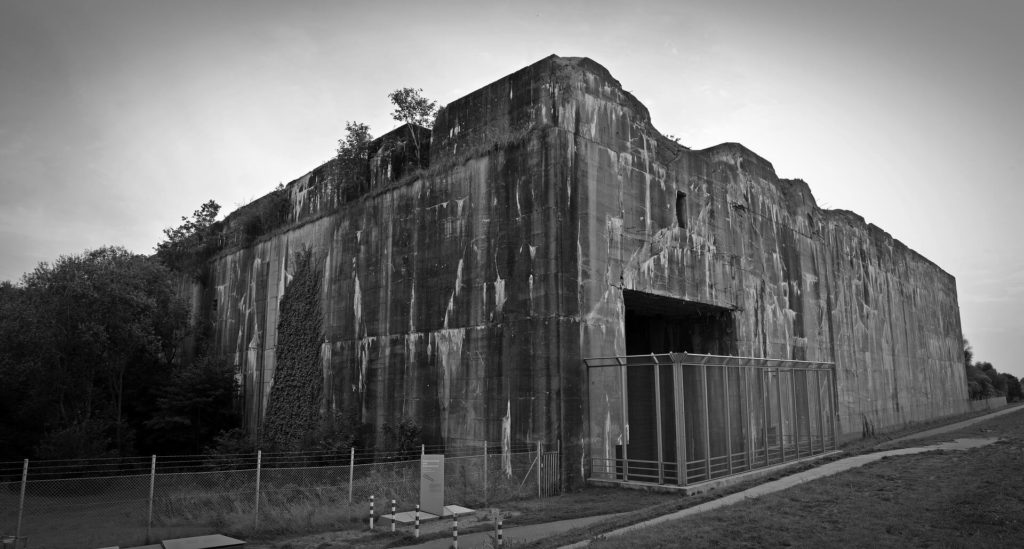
{"type": "Point", "coordinates": [412, 108]}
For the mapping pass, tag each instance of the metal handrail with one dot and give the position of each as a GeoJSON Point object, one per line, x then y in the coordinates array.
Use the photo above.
{"type": "Point", "coordinates": [660, 359]}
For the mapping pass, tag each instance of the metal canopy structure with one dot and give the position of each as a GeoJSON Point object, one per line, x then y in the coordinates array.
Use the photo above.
{"type": "Point", "coordinates": [690, 418]}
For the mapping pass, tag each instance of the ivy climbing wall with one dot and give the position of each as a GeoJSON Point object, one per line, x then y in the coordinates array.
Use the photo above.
{"type": "Point", "coordinates": [294, 406]}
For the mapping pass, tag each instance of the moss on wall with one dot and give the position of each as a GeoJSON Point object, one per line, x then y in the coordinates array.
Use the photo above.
{"type": "Point", "coordinates": [293, 410]}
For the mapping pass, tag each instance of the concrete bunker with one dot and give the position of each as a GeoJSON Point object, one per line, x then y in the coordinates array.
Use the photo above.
{"type": "Point", "coordinates": [552, 189]}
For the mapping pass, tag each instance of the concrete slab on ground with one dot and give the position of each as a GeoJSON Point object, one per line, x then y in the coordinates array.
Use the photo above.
{"type": "Point", "coordinates": [713, 484]}
{"type": "Point", "coordinates": [409, 517]}
{"type": "Point", "coordinates": [215, 541]}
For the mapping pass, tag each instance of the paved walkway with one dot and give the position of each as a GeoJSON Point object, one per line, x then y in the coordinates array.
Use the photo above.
{"type": "Point", "coordinates": [535, 532]}
{"type": "Point", "coordinates": [955, 426]}
{"type": "Point", "coordinates": [520, 534]}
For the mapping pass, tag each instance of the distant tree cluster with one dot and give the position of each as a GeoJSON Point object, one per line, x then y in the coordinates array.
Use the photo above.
{"type": "Point", "coordinates": [984, 381]}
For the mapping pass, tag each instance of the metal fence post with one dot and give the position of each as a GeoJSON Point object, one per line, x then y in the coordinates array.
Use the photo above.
{"type": "Point", "coordinates": [707, 422]}
{"type": "Point", "coordinates": [728, 419]}
{"type": "Point", "coordinates": [256, 513]}
{"type": "Point", "coordinates": [351, 470]}
{"type": "Point", "coordinates": [539, 464]}
{"type": "Point", "coordinates": [485, 473]}
{"type": "Point", "coordinates": [656, 368]}
{"type": "Point", "coordinates": [21, 502]}
{"type": "Point", "coordinates": [152, 485]}
{"type": "Point", "coordinates": [782, 432]}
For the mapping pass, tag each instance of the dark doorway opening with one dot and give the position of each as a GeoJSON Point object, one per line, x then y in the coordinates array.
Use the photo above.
{"type": "Point", "coordinates": [657, 324]}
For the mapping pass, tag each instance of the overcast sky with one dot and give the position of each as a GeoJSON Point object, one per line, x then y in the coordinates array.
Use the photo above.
{"type": "Point", "coordinates": [119, 117]}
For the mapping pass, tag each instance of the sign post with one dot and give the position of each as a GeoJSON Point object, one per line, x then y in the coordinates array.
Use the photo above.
{"type": "Point", "coordinates": [432, 484]}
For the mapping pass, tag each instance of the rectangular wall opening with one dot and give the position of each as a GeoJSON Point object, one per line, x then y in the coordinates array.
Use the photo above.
{"type": "Point", "coordinates": [655, 325]}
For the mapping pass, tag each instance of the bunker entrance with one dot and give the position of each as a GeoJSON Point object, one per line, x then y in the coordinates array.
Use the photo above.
{"type": "Point", "coordinates": [691, 412]}
{"type": "Point", "coordinates": [656, 325]}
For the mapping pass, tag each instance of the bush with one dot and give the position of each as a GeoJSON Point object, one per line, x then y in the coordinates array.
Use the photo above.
{"type": "Point", "coordinates": [402, 440]}
{"type": "Point", "coordinates": [88, 439]}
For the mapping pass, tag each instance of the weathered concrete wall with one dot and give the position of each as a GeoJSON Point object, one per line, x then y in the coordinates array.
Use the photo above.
{"type": "Point", "coordinates": [443, 293]}
{"type": "Point", "coordinates": [803, 283]}
{"type": "Point", "coordinates": [464, 295]}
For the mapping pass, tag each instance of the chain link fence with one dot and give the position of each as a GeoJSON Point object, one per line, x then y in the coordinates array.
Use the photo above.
{"type": "Point", "coordinates": [133, 501]}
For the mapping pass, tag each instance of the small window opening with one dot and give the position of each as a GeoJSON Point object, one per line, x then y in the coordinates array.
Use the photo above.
{"type": "Point", "coordinates": [681, 209]}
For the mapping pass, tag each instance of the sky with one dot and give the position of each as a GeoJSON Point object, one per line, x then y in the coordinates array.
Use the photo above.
{"type": "Point", "coordinates": [117, 118]}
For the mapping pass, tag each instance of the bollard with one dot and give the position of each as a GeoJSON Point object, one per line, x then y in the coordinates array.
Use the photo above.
{"type": "Point", "coordinates": [393, 515]}
{"type": "Point", "coordinates": [417, 521]}
{"type": "Point", "coordinates": [371, 512]}
{"type": "Point", "coordinates": [499, 529]}
{"type": "Point", "coordinates": [455, 532]}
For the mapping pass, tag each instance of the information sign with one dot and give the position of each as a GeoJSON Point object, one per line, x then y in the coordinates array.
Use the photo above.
{"type": "Point", "coordinates": [432, 484]}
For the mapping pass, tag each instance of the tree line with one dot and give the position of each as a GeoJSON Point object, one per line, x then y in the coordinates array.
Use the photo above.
{"type": "Point", "coordinates": [984, 381]}
{"type": "Point", "coordinates": [91, 345]}
{"type": "Point", "coordinates": [90, 361]}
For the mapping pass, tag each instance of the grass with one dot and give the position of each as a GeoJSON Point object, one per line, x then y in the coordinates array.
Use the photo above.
{"type": "Point", "coordinates": [293, 501]}
{"type": "Point", "coordinates": [948, 499]}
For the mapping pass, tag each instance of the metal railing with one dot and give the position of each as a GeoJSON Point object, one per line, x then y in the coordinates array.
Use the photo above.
{"type": "Point", "coordinates": [691, 418]}
{"type": "Point", "coordinates": [132, 501]}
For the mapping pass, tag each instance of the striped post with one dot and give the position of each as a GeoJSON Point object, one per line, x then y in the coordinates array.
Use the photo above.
{"type": "Point", "coordinates": [417, 527]}
{"type": "Point", "coordinates": [392, 515]}
{"type": "Point", "coordinates": [499, 530]}
{"type": "Point", "coordinates": [371, 512]}
{"type": "Point", "coordinates": [455, 532]}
